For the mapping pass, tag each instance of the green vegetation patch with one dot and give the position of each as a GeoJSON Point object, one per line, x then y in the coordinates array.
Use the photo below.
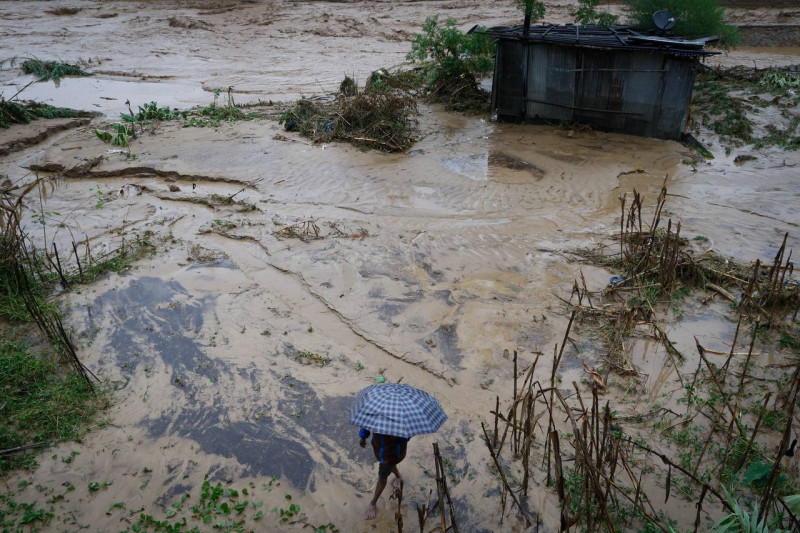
{"type": "Point", "coordinates": [725, 101]}
{"type": "Point", "coordinates": [41, 404]}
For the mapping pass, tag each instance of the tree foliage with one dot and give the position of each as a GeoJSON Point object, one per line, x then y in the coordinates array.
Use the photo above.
{"type": "Point", "coordinates": [695, 18]}
{"type": "Point", "coordinates": [532, 8]}
{"type": "Point", "coordinates": [588, 14]}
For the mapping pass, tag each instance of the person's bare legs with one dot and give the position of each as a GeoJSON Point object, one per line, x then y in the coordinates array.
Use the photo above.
{"type": "Point", "coordinates": [398, 479]}
{"type": "Point", "coordinates": [372, 510]}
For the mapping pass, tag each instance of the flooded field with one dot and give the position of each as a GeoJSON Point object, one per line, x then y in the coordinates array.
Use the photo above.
{"type": "Point", "coordinates": [236, 349]}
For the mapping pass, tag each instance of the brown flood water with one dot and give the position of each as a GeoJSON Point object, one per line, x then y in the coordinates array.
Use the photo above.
{"type": "Point", "coordinates": [463, 257]}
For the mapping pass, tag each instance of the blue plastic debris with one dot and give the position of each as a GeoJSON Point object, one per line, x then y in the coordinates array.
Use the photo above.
{"type": "Point", "coordinates": [615, 280]}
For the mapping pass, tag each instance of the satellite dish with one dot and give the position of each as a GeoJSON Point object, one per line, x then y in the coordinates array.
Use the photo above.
{"type": "Point", "coordinates": [664, 20]}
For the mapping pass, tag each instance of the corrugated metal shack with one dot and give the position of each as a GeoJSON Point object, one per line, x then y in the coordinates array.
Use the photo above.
{"type": "Point", "coordinates": [614, 79]}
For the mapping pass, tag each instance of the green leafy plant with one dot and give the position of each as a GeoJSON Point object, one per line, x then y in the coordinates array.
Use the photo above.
{"type": "Point", "coordinates": [793, 503]}
{"type": "Point", "coordinates": [741, 521]}
{"type": "Point", "coordinates": [446, 51]}
{"type": "Point", "coordinates": [151, 111]}
{"type": "Point", "coordinates": [780, 80]}
{"type": "Point", "coordinates": [587, 14]}
{"type": "Point", "coordinates": [14, 514]}
{"type": "Point", "coordinates": [213, 114]}
{"type": "Point", "coordinates": [120, 136]}
{"type": "Point", "coordinates": [695, 18]}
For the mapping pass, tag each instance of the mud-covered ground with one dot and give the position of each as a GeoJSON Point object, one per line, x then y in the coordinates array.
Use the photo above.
{"type": "Point", "coordinates": [427, 265]}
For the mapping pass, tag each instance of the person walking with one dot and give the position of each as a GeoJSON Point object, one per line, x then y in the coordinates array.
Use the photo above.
{"type": "Point", "coordinates": [392, 414]}
{"type": "Point", "coordinates": [389, 451]}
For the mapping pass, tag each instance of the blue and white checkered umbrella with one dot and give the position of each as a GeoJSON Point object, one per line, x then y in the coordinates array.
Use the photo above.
{"type": "Point", "coordinates": [398, 410]}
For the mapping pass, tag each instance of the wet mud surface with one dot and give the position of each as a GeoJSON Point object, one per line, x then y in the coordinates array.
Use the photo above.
{"type": "Point", "coordinates": [428, 267]}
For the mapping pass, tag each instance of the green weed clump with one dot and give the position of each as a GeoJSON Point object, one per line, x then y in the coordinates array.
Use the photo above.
{"type": "Point", "coordinates": [43, 404]}
{"type": "Point", "coordinates": [25, 112]}
{"type": "Point", "coordinates": [451, 62]}
{"type": "Point", "coordinates": [213, 114]}
{"type": "Point", "coordinates": [120, 135]}
{"type": "Point", "coordinates": [151, 111]}
{"type": "Point", "coordinates": [695, 18]}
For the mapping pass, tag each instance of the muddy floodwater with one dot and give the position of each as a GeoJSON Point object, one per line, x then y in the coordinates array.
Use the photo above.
{"type": "Point", "coordinates": [424, 266]}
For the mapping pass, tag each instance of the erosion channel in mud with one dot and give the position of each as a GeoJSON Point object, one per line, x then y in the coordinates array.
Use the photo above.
{"type": "Point", "coordinates": [287, 275]}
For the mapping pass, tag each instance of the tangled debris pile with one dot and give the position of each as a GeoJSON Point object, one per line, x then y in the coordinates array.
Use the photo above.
{"type": "Point", "coordinates": [379, 116]}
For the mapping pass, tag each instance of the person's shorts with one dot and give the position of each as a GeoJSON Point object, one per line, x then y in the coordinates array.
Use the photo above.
{"type": "Point", "coordinates": [385, 469]}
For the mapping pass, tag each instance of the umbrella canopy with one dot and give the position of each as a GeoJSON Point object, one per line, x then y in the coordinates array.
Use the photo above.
{"type": "Point", "coordinates": [398, 410]}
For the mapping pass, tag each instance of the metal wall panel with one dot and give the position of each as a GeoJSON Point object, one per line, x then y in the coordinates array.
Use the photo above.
{"type": "Point", "coordinates": [551, 83]}
{"type": "Point", "coordinates": [642, 96]}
